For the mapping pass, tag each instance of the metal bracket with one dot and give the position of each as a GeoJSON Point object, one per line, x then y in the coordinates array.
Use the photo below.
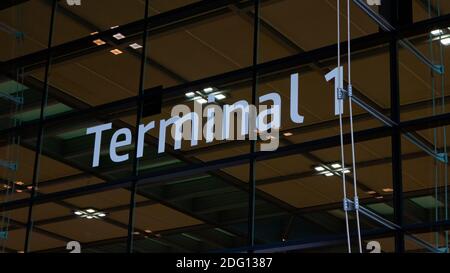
{"type": "Point", "coordinates": [341, 94]}
{"type": "Point", "coordinates": [348, 205]}
{"type": "Point", "coordinates": [443, 157]}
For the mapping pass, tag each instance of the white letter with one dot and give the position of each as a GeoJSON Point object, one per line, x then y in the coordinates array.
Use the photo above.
{"type": "Point", "coordinates": [143, 129]}
{"type": "Point", "coordinates": [117, 144]}
{"type": "Point", "coordinates": [98, 140]}
{"type": "Point", "coordinates": [295, 116]}
{"type": "Point", "coordinates": [338, 77]}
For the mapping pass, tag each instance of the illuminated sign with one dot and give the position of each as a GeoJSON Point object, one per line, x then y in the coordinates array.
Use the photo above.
{"type": "Point", "coordinates": [263, 121]}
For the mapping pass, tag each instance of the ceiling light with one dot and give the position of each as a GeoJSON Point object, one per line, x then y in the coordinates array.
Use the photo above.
{"type": "Point", "coordinates": [6, 186]}
{"type": "Point", "coordinates": [20, 183]}
{"type": "Point", "coordinates": [113, 27]}
{"type": "Point", "coordinates": [445, 41]}
{"type": "Point", "coordinates": [437, 32]}
{"type": "Point", "coordinates": [116, 51]}
{"type": "Point", "coordinates": [190, 94]}
{"type": "Point", "coordinates": [208, 89]}
{"type": "Point", "coordinates": [336, 165]}
{"type": "Point", "coordinates": [90, 213]}
{"type": "Point", "coordinates": [371, 192]}
{"type": "Point", "coordinates": [148, 231]}
{"type": "Point", "coordinates": [220, 96]}
{"type": "Point", "coordinates": [379, 197]}
{"type": "Point", "coordinates": [328, 174]}
{"type": "Point", "coordinates": [346, 171]}
{"type": "Point", "coordinates": [119, 36]}
{"type": "Point", "coordinates": [388, 190]}
{"type": "Point", "coordinates": [136, 233]}
{"type": "Point", "coordinates": [99, 42]}
{"type": "Point", "coordinates": [288, 134]}
{"type": "Point", "coordinates": [135, 46]}
{"type": "Point", "coordinates": [200, 100]}
{"type": "Point", "coordinates": [19, 191]}
{"type": "Point", "coordinates": [94, 33]}
{"type": "Point", "coordinates": [319, 168]}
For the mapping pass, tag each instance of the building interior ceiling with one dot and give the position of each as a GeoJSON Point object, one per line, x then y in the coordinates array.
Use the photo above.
{"type": "Point", "coordinates": [209, 211]}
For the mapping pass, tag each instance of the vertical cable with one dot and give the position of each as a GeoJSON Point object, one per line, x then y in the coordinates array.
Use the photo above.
{"type": "Point", "coordinates": [350, 102]}
{"type": "Point", "coordinates": [140, 106]}
{"type": "Point", "coordinates": [252, 163]}
{"type": "Point", "coordinates": [344, 186]}
{"type": "Point", "coordinates": [40, 134]}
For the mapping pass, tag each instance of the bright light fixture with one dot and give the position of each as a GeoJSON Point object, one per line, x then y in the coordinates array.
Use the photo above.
{"type": "Point", "coordinates": [116, 51]}
{"type": "Point", "coordinates": [90, 213]}
{"type": "Point", "coordinates": [371, 192]}
{"type": "Point", "coordinates": [388, 190]}
{"type": "Point", "coordinates": [288, 134]}
{"type": "Point", "coordinates": [190, 94]}
{"type": "Point", "coordinates": [437, 32]}
{"type": "Point", "coordinates": [220, 96]}
{"type": "Point", "coordinates": [119, 36]}
{"type": "Point", "coordinates": [336, 165]}
{"type": "Point", "coordinates": [445, 41]}
{"type": "Point", "coordinates": [208, 89]}
{"type": "Point", "coordinates": [99, 42]}
{"type": "Point", "coordinates": [328, 174]}
{"type": "Point", "coordinates": [20, 183]}
{"type": "Point", "coordinates": [135, 46]}
{"type": "Point", "coordinates": [319, 168]}
{"type": "Point", "coordinates": [346, 171]}
{"type": "Point", "coordinates": [200, 100]}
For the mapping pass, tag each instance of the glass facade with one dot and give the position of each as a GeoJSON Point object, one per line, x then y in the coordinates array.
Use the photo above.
{"type": "Point", "coordinates": [69, 66]}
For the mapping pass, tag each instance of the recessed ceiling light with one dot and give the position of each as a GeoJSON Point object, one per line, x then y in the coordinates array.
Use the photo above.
{"type": "Point", "coordinates": [288, 134]}
{"type": "Point", "coordinates": [135, 46]}
{"type": "Point", "coordinates": [388, 190]}
{"type": "Point", "coordinates": [445, 41]}
{"type": "Point", "coordinates": [20, 183]}
{"type": "Point", "coordinates": [101, 214]}
{"type": "Point", "coordinates": [119, 36]}
{"type": "Point", "coordinates": [19, 191]}
{"type": "Point", "coordinates": [220, 96]}
{"type": "Point", "coordinates": [371, 192]}
{"type": "Point", "coordinates": [328, 174]}
{"type": "Point", "coordinates": [90, 210]}
{"type": "Point", "coordinates": [190, 94]}
{"type": "Point", "coordinates": [346, 171]}
{"type": "Point", "coordinates": [437, 32]}
{"type": "Point", "coordinates": [78, 213]}
{"type": "Point", "coordinates": [208, 89]}
{"type": "Point", "coordinates": [99, 42]}
{"type": "Point", "coordinates": [148, 231]}
{"type": "Point", "coordinates": [89, 217]}
{"type": "Point", "coordinates": [94, 33]}
{"type": "Point", "coordinates": [200, 100]}
{"type": "Point", "coordinates": [319, 168]}
{"type": "Point", "coordinates": [116, 51]}
{"type": "Point", "coordinates": [136, 233]}
{"type": "Point", "coordinates": [113, 27]}
{"type": "Point", "coordinates": [336, 165]}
